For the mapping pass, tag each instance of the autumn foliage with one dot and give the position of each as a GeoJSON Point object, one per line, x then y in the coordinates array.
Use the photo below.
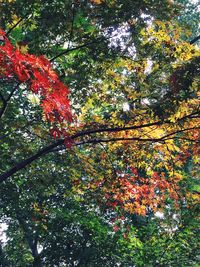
{"type": "Point", "coordinates": [133, 193]}
{"type": "Point", "coordinates": [155, 149]}
{"type": "Point", "coordinates": [37, 73]}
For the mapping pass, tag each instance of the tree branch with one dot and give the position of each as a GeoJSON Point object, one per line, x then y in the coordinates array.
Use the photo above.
{"type": "Point", "coordinates": [72, 25]}
{"type": "Point", "coordinates": [72, 49]}
{"type": "Point", "coordinates": [49, 148]}
{"type": "Point", "coordinates": [4, 105]}
{"type": "Point", "coordinates": [6, 101]}
{"type": "Point", "coordinates": [2, 98]}
{"type": "Point", "coordinates": [179, 131]}
{"type": "Point", "coordinates": [117, 139]}
{"type": "Point", "coordinates": [195, 39]}
{"type": "Point", "coordinates": [79, 47]}
{"type": "Point", "coordinates": [31, 240]}
{"type": "Point", "coordinates": [26, 162]}
{"type": "Point", "coordinates": [16, 24]}
{"type": "Point", "coordinates": [161, 139]}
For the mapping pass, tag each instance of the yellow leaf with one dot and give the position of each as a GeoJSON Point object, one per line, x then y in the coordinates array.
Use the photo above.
{"type": "Point", "coordinates": [23, 49]}
{"type": "Point", "coordinates": [34, 99]}
{"type": "Point", "coordinates": [97, 2]}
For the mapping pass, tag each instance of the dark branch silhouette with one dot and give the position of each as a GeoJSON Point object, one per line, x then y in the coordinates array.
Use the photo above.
{"type": "Point", "coordinates": [195, 39]}
{"type": "Point", "coordinates": [65, 52]}
{"type": "Point", "coordinates": [87, 133]}
{"type": "Point", "coordinates": [162, 139]}
{"type": "Point", "coordinates": [16, 24]}
{"type": "Point", "coordinates": [6, 101]}
{"type": "Point", "coordinates": [72, 49]}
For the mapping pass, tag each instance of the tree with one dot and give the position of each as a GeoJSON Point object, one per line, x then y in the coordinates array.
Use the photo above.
{"type": "Point", "coordinates": [134, 100]}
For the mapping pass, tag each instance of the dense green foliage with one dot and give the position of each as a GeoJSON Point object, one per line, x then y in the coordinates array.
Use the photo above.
{"type": "Point", "coordinates": [55, 209]}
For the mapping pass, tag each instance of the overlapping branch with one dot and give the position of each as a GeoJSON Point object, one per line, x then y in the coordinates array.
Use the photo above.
{"type": "Point", "coordinates": [6, 101]}
{"type": "Point", "coordinates": [21, 165]}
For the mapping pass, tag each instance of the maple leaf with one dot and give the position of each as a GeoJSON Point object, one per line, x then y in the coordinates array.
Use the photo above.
{"type": "Point", "coordinates": [40, 78]}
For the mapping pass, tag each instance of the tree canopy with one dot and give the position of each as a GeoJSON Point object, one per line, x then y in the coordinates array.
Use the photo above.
{"type": "Point", "coordinates": [99, 133]}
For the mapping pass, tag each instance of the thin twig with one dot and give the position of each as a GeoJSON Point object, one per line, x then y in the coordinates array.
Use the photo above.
{"type": "Point", "coordinates": [6, 101]}
{"type": "Point", "coordinates": [72, 49]}
{"type": "Point", "coordinates": [16, 24]}
{"type": "Point", "coordinates": [72, 25]}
